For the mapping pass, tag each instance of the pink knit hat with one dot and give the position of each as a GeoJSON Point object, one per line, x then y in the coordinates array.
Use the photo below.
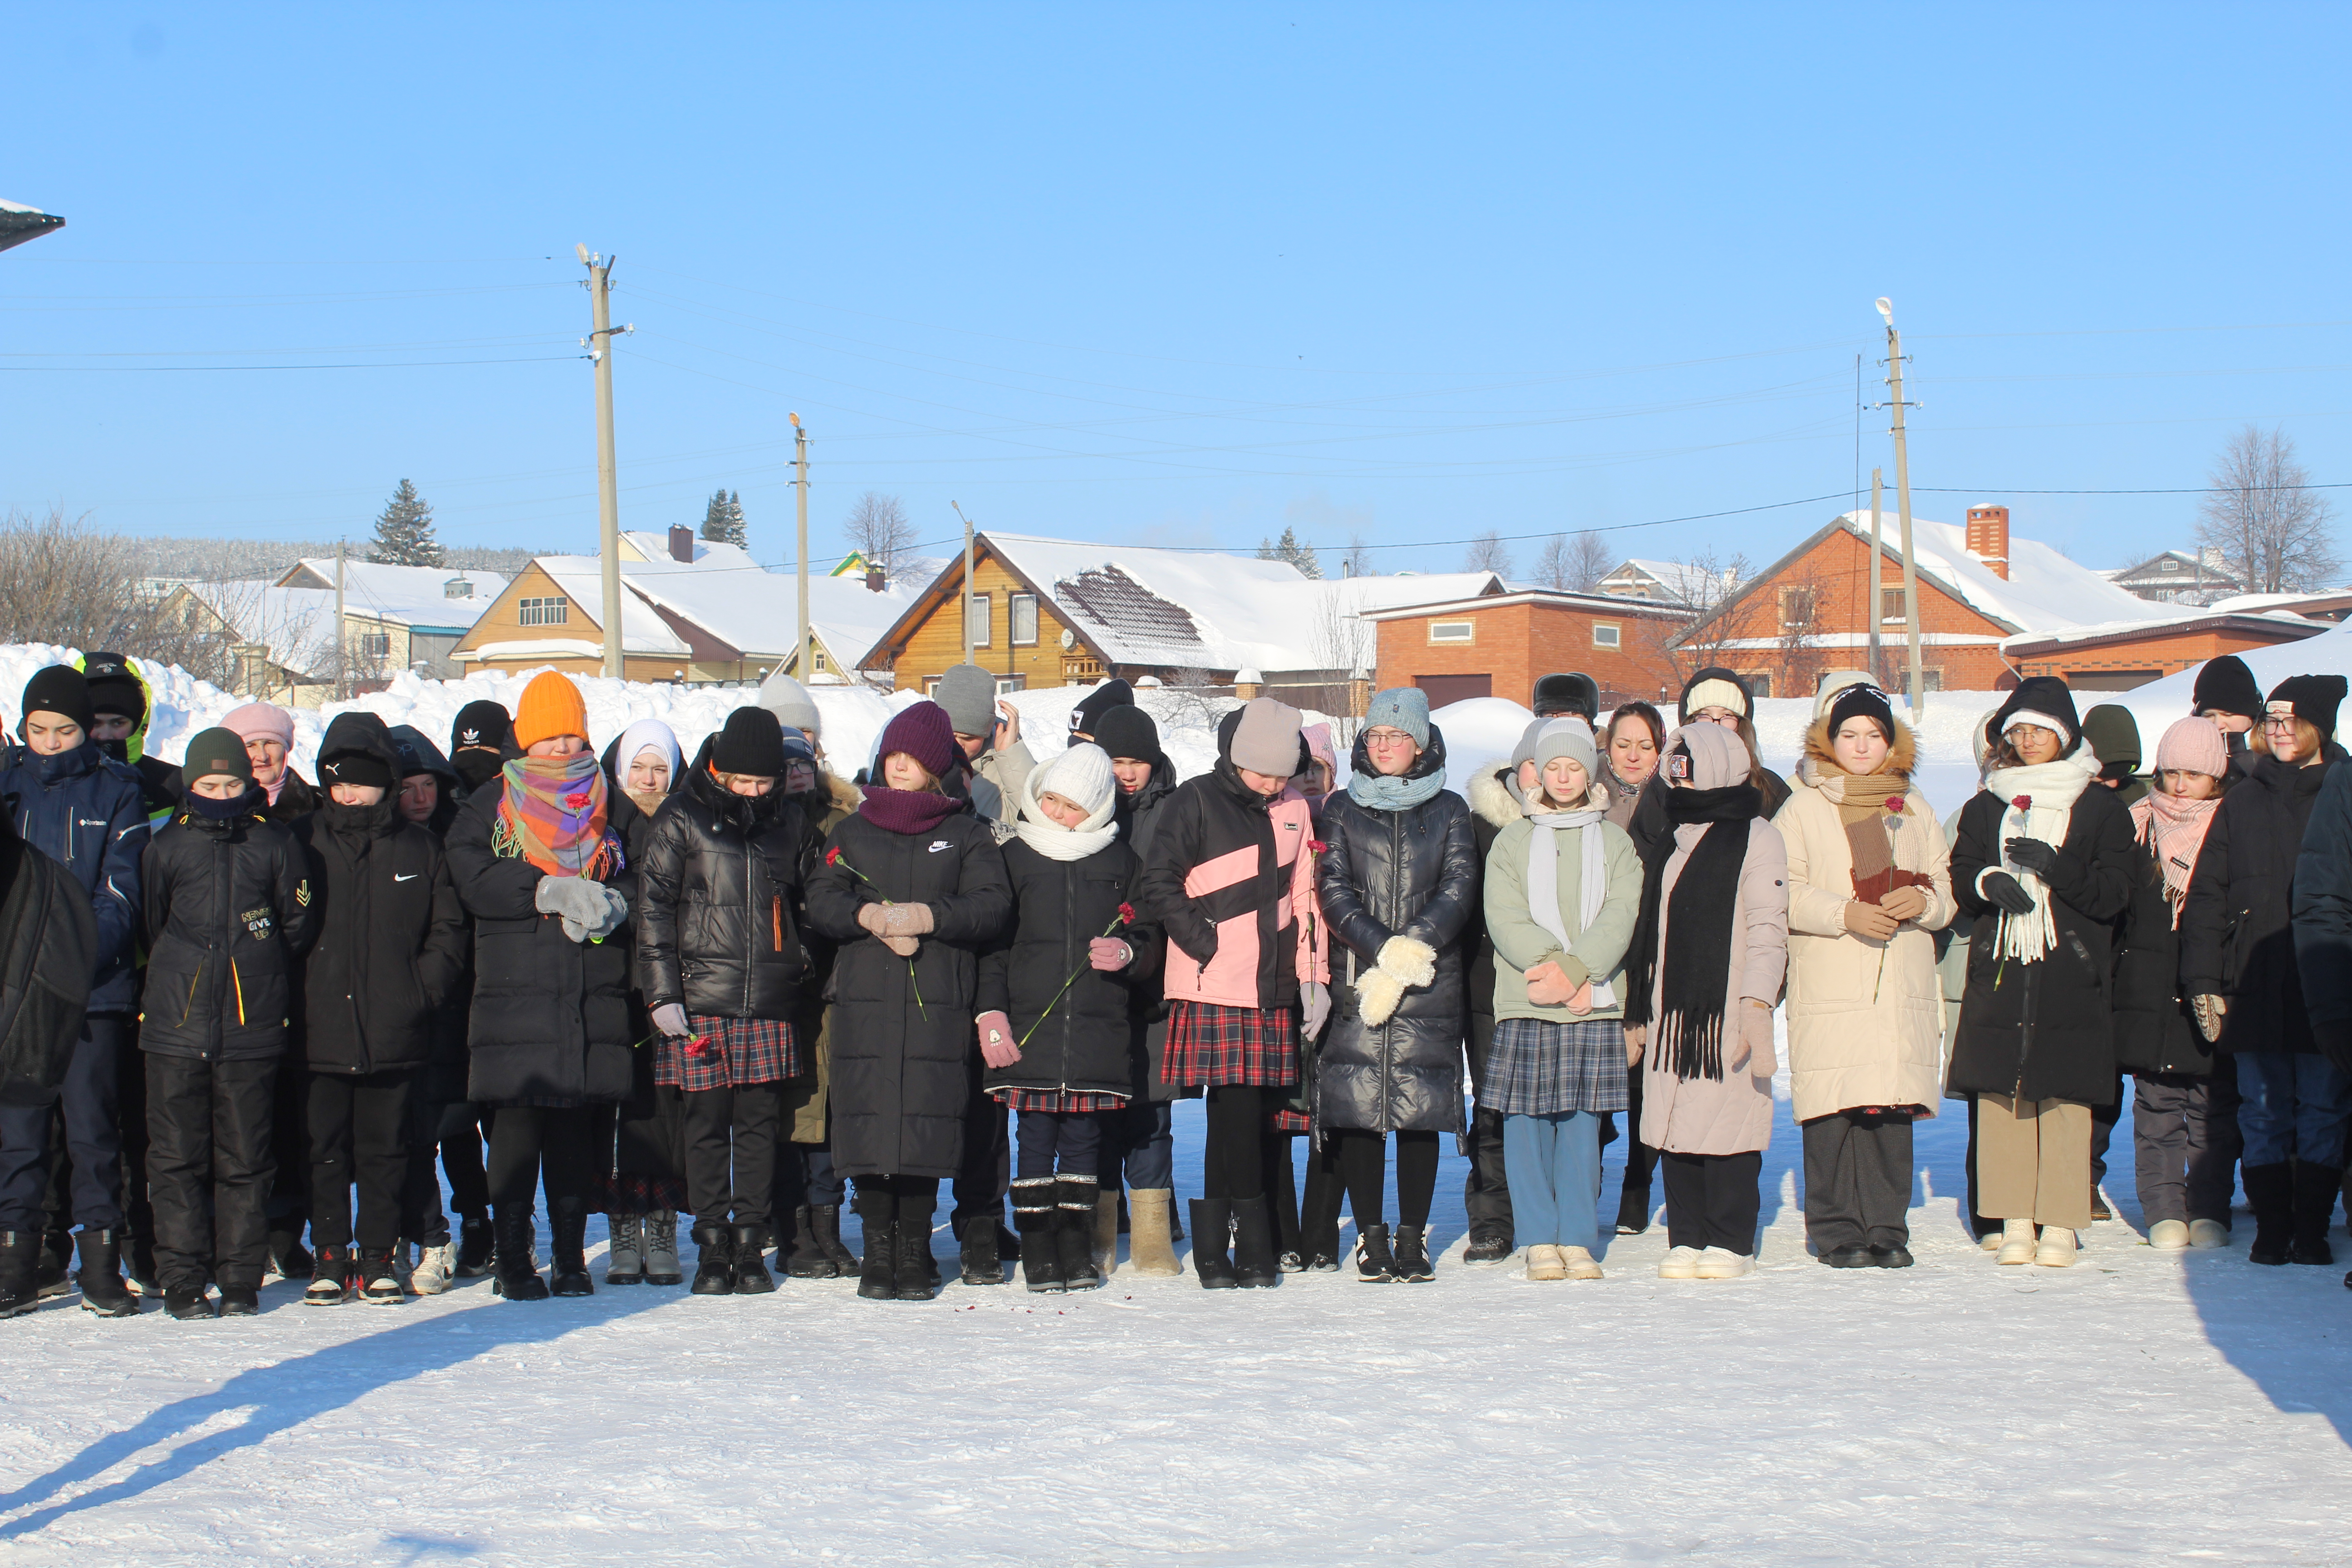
{"type": "Point", "coordinates": [259, 721]}
{"type": "Point", "coordinates": [2193, 746]}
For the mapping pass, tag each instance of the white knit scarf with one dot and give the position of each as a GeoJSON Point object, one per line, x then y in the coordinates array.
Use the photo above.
{"type": "Point", "coordinates": [2049, 791]}
{"type": "Point", "coordinates": [1593, 883]}
{"type": "Point", "coordinates": [1053, 840]}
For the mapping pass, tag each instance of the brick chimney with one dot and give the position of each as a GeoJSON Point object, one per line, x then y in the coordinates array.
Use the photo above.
{"type": "Point", "coordinates": [681, 542]}
{"type": "Point", "coordinates": [1989, 538]}
{"type": "Point", "coordinates": [875, 582]}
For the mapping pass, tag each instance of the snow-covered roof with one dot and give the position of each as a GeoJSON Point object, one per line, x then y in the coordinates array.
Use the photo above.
{"type": "Point", "coordinates": [581, 578]}
{"type": "Point", "coordinates": [296, 624]}
{"type": "Point", "coordinates": [759, 611]}
{"type": "Point", "coordinates": [2181, 619]}
{"type": "Point", "coordinates": [655, 547]}
{"type": "Point", "coordinates": [1177, 608]}
{"type": "Point", "coordinates": [2044, 591]}
{"type": "Point", "coordinates": [409, 595]}
{"type": "Point", "coordinates": [1686, 583]}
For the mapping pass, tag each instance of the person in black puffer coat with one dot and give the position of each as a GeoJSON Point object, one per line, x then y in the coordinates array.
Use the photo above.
{"type": "Point", "coordinates": [388, 951]}
{"type": "Point", "coordinates": [1057, 1006]}
{"type": "Point", "coordinates": [912, 888]}
{"type": "Point", "coordinates": [2043, 869]}
{"type": "Point", "coordinates": [229, 914]}
{"type": "Point", "coordinates": [2225, 692]}
{"type": "Point", "coordinates": [721, 905]}
{"type": "Point", "coordinates": [1139, 1139]}
{"type": "Point", "coordinates": [2239, 969]}
{"type": "Point", "coordinates": [547, 881]}
{"type": "Point", "coordinates": [1397, 878]}
{"type": "Point", "coordinates": [48, 945]}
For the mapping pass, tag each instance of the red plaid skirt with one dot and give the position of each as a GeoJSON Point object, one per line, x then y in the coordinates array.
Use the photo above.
{"type": "Point", "coordinates": [1213, 1045]}
{"type": "Point", "coordinates": [732, 1051]}
{"type": "Point", "coordinates": [1059, 1101]}
{"type": "Point", "coordinates": [1291, 1121]}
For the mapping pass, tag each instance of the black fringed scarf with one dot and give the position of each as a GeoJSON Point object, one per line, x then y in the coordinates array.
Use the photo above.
{"type": "Point", "coordinates": [1691, 1033]}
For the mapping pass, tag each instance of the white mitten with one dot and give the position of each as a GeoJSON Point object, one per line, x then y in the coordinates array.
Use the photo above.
{"type": "Point", "coordinates": [1377, 992]}
{"type": "Point", "coordinates": [1414, 963]}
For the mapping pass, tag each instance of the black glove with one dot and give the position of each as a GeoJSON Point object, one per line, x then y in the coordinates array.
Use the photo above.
{"type": "Point", "coordinates": [2006, 892]}
{"type": "Point", "coordinates": [2034, 854]}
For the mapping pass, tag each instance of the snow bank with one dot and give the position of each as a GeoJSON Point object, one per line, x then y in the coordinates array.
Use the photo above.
{"type": "Point", "coordinates": [2158, 704]}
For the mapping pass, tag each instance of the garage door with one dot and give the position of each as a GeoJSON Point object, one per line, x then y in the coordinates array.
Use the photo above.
{"type": "Point", "coordinates": [1445, 689]}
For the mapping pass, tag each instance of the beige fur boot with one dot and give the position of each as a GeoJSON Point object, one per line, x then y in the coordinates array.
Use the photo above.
{"type": "Point", "coordinates": [1106, 1233]}
{"type": "Point", "coordinates": [1150, 1249]}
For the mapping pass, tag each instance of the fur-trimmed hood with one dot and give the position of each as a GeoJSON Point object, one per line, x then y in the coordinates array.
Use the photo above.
{"type": "Point", "coordinates": [1901, 757]}
{"type": "Point", "coordinates": [1492, 796]}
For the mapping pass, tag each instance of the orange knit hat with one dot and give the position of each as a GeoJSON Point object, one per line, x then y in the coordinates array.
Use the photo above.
{"type": "Point", "coordinates": [551, 706]}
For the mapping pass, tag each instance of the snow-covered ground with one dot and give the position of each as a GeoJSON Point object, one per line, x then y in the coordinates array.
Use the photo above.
{"type": "Point", "coordinates": [2139, 1407]}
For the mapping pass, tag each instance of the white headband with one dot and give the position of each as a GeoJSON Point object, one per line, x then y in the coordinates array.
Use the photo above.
{"type": "Point", "coordinates": [2057, 727]}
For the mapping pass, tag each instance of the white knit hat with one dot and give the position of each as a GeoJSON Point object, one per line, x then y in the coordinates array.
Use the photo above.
{"type": "Point", "coordinates": [1081, 775]}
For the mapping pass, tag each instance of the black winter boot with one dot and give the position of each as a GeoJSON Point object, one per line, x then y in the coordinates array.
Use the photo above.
{"type": "Point", "coordinates": [20, 1261]}
{"type": "Point", "coordinates": [808, 1259]}
{"type": "Point", "coordinates": [139, 1262]}
{"type": "Point", "coordinates": [714, 1272]}
{"type": "Point", "coordinates": [188, 1303]}
{"type": "Point", "coordinates": [1413, 1254]}
{"type": "Point", "coordinates": [1212, 1225]}
{"type": "Point", "coordinates": [913, 1268]}
{"type": "Point", "coordinates": [476, 1247]}
{"type": "Point", "coordinates": [330, 1278]}
{"type": "Point", "coordinates": [877, 1279]}
{"type": "Point", "coordinates": [239, 1301]}
{"type": "Point", "coordinates": [752, 1278]}
{"type": "Point", "coordinates": [1041, 1251]}
{"type": "Point", "coordinates": [102, 1282]}
{"type": "Point", "coordinates": [983, 1263]}
{"type": "Point", "coordinates": [1074, 1232]}
{"type": "Point", "coordinates": [515, 1277]}
{"type": "Point", "coordinates": [567, 1223]}
{"type": "Point", "coordinates": [1374, 1264]}
{"type": "Point", "coordinates": [55, 1276]}
{"type": "Point", "coordinates": [2315, 1189]}
{"type": "Point", "coordinates": [825, 1220]}
{"type": "Point", "coordinates": [379, 1284]}
{"type": "Point", "coordinates": [1254, 1265]}
{"type": "Point", "coordinates": [2270, 1191]}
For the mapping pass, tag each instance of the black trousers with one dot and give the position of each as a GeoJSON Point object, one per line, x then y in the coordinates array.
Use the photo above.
{"type": "Point", "coordinates": [92, 1139]}
{"type": "Point", "coordinates": [987, 1174]}
{"type": "Point", "coordinates": [1486, 1192]}
{"type": "Point", "coordinates": [463, 1130]}
{"type": "Point", "coordinates": [528, 1141]}
{"type": "Point", "coordinates": [209, 1168]}
{"type": "Point", "coordinates": [730, 1151]}
{"type": "Point", "coordinates": [130, 1111]}
{"type": "Point", "coordinates": [1235, 1150]}
{"type": "Point", "coordinates": [1712, 1200]}
{"type": "Point", "coordinates": [1858, 1181]}
{"type": "Point", "coordinates": [1060, 1143]}
{"type": "Point", "coordinates": [360, 1125]}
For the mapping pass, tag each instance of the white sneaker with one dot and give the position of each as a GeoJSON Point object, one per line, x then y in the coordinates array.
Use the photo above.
{"type": "Point", "coordinates": [1544, 1263]}
{"type": "Point", "coordinates": [403, 1269]}
{"type": "Point", "coordinates": [1679, 1263]}
{"type": "Point", "coordinates": [436, 1267]}
{"type": "Point", "coordinates": [1990, 1241]}
{"type": "Point", "coordinates": [2016, 1242]}
{"type": "Point", "coordinates": [2057, 1250]}
{"type": "Point", "coordinates": [2168, 1234]}
{"type": "Point", "coordinates": [1578, 1263]}
{"type": "Point", "coordinates": [2207, 1233]}
{"type": "Point", "coordinates": [1722, 1263]}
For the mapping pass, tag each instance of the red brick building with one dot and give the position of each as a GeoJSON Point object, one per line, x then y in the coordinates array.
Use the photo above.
{"type": "Point", "coordinates": [1495, 646]}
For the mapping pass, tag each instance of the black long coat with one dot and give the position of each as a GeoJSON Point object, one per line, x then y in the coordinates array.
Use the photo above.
{"type": "Point", "coordinates": [1140, 815]}
{"type": "Point", "coordinates": [2236, 934]}
{"type": "Point", "coordinates": [550, 1019]}
{"type": "Point", "coordinates": [2045, 1031]}
{"type": "Point", "coordinates": [390, 946]}
{"type": "Point", "coordinates": [2155, 1031]}
{"type": "Point", "coordinates": [904, 1050]}
{"type": "Point", "coordinates": [1087, 1040]}
{"type": "Point", "coordinates": [1411, 873]}
{"type": "Point", "coordinates": [722, 887]}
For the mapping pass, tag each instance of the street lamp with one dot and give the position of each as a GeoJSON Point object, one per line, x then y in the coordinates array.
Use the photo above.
{"type": "Point", "coordinates": [19, 224]}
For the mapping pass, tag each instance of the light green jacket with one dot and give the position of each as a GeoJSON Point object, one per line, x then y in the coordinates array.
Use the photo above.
{"type": "Point", "coordinates": [1520, 943]}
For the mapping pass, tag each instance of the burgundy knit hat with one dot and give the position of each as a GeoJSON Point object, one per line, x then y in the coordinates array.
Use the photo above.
{"type": "Point", "coordinates": [923, 731]}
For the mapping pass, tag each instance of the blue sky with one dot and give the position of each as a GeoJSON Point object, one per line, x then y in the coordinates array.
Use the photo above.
{"type": "Point", "coordinates": [1175, 276]}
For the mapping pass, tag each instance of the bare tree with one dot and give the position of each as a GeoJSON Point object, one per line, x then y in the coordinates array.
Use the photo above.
{"type": "Point", "coordinates": [1552, 568]}
{"type": "Point", "coordinates": [1713, 628]}
{"type": "Point", "coordinates": [880, 530]}
{"type": "Point", "coordinates": [1589, 561]}
{"type": "Point", "coordinates": [1488, 554]}
{"type": "Point", "coordinates": [2271, 527]}
{"type": "Point", "coordinates": [74, 586]}
{"type": "Point", "coordinates": [1356, 561]}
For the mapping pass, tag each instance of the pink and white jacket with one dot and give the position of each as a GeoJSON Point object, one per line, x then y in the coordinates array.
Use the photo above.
{"type": "Point", "coordinates": [1231, 880]}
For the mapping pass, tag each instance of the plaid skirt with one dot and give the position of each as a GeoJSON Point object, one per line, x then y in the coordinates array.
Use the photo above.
{"type": "Point", "coordinates": [1058, 1102]}
{"type": "Point", "coordinates": [1213, 1045]}
{"type": "Point", "coordinates": [1541, 1069]}
{"type": "Point", "coordinates": [731, 1051]}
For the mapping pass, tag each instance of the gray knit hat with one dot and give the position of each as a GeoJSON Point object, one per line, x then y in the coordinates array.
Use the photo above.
{"type": "Point", "coordinates": [1402, 707]}
{"type": "Point", "coordinates": [969, 694]}
{"type": "Point", "coordinates": [1570, 737]}
{"type": "Point", "coordinates": [1266, 739]}
{"type": "Point", "coordinates": [788, 700]}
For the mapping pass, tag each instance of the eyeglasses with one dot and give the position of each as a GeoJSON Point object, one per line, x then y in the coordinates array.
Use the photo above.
{"type": "Point", "coordinates": [1387, 739]}
{"type": "Point", "coordinates": [2287, 723]}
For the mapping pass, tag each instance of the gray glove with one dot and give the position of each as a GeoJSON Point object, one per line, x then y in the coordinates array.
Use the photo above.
{"type": "Point", "coordinates": [670, 1020]}
{"type": "Point", "coordinates": [588, 908]}
{"type": "Point", "coordinates": [1315, 997]}
{"type": "Point", "coordinates": [616, 912]}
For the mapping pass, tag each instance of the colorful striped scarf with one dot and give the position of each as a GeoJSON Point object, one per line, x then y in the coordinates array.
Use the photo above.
{"type": "Point", "coordinates": [552, 815]}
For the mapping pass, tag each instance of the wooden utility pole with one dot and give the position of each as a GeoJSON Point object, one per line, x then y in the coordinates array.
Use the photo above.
{"type": "Point", "coordinates": [342, 686]}
{"type": "Point", "coordinates": [608, 499]}
{"type": "Point", "coordinates": [1878, 598]}
{"type": "Point", "coordinates": [806, 658]}
{"type": "Point", "coordinates": [1903, 506]}
{"type": "Point", "coordinates": [967, 583]}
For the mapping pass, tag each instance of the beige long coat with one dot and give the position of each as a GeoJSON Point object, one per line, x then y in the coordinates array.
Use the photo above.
{"type": "Point", "coordinates": [1866, 1018]}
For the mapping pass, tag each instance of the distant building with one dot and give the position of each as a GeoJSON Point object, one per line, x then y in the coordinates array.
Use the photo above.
{"type": "Point", "coordinates": [2180, 577]}
{"type": "Point", "coordinates": [400, 618]}
{"type": "Point", "coordinates": [1497, 645]}
{"type": "Point", "coordinates": [1669, 582]}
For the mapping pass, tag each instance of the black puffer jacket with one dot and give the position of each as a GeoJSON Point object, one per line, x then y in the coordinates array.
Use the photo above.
{"type": "Point", "coordinates": [904, 1051]}
{"type": "Point", "coordinates": [2236, 930]}
{"type": "Point", "coordinates": [1140, 815]}
{"type": "Point", "coordinates": [1411, 873]}
{"type": "Point", "coordinates": [551, 1020]}
{"type": "Point", "coordinates": [2155, 1031]}
{"type": "Point", "coordinates": [2323, 917]}
{"type": "Point", "coordinates": [229, 914]}
{"type": "Point", "coordinates": [2045, 1031]}
{"type": "Point", "coordinates": [1087, 1040]}
{"type": "Point", "coordinates": [723, 893]}
{"type": "Point", "coordinates": [49, 944]}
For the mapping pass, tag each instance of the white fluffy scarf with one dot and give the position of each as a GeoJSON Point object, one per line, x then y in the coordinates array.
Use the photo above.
{"type": "Point", "coordinates": [2049, 790]}
{"type": "Point", "coordinates": [1053, 840]}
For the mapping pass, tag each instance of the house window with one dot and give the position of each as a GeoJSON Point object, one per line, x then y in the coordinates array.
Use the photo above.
{"type": "Point", "coordinates": [1796, 606]}
{"type": "Point", "coordinates": [1006, 683]}
{"type": "Point", "coordinates": [1890, 605]}
{"type": "Point", "coordinates": [816, 660]}
{"type": "Point", "coordinates": [1932, 678]}
{"type": "Point", "coordinates": [1759, 681]}
{"type": "Point", "coordinates": [1606, 635]}
{"type": "Point", "coordinates": [375, 644]}
{"type": "Point", "coordinates": [457, 588]}
{"type": "Point", "coordinates": [1452, 631]}
{"type": "Point", "coordinates": [978, 620]}
{"type": "Point", "coordinates": [1021, 610]}
{"type": "Point", "coordinates": [545, 611]}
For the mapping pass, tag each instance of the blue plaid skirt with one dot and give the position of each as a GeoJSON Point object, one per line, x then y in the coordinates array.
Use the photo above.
{"type": "Point", "coordinates": [1541, 1069]}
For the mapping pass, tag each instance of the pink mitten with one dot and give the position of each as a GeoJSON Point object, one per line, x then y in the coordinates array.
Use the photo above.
{"type": "Point", "coordinates": [1107, 953]}
{"type": "Point", "coordinates": [997, 1046]}
{"type": "Point", "coordinates": [1581, 999]}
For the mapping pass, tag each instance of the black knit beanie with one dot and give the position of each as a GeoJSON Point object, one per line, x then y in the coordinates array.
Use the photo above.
{"type": "Point", "coordinates": [2313, 698]}
{"type": "Point", "coordinates": [1862, 702]}
{"type": "Point", "coordinates": [483, 723]}
{"type": "Point", "coordinates": [752, 742]}
{"type": "Point", "coordinates": [1129, 733]}
{"type": "Point", "coordinates": [355, 768]}
{"type": "Point", "coordinates": [61, 689]}
{"type": "Point", "coordinates": [2225, 685]}
{"type": "Point", "coordinates": [1107, 697]}
{"type": "Point", "coordinates": [215, 751]}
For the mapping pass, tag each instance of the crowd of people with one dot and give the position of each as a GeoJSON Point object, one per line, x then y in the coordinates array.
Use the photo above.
{"type": "Point", "coordinates": [757, 987]}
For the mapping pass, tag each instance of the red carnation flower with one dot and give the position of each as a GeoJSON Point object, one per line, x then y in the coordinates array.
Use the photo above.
{"type": "Point", "coordinates": [2023, 802]}
{"type": "Point", "coordinates": [1126, 914]}
{"type": "Point", "coordinates": [1316, 846]}
{"type": "Point", "coordinates": [833, 856]}
{"type": "Point", "coordinates": [576, 802]}
{"type": "Point", "coordinates": [1895, 806]}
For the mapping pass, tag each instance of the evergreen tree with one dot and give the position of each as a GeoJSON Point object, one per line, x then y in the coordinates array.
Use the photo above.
{"type": "Point", "coordinates": [403, 531]}
{"type": "Point", "coordinates": [1288, 548]}
{"type": "Point", "coordinates": [722, 520]}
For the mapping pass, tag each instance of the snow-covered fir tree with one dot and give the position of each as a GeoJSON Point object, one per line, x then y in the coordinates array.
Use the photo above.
{"type": "Point", "coordinates": [722, 520]}
{"type": "Point", "coordinates": [1288, 548]}
{"type": "Point", "coordinates": [404, 531]}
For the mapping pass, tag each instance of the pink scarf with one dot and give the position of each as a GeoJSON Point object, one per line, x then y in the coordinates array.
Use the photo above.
{"type": "Point", "coordinates": [2173, 828]}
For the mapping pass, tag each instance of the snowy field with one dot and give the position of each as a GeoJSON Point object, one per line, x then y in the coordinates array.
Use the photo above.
{"type": "Point", "coordinates": [2140, 1406]}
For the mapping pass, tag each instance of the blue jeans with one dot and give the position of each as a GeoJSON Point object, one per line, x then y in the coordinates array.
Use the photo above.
{"type": "Point", "coordinates": [2293, 1106]}
{"type": "Point", "coordinates": [93, 1139]}
{"type": "Point", "coordinates": [1553, 1166]}
{"type": "Point", "coordinates": [1141, 1140]}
